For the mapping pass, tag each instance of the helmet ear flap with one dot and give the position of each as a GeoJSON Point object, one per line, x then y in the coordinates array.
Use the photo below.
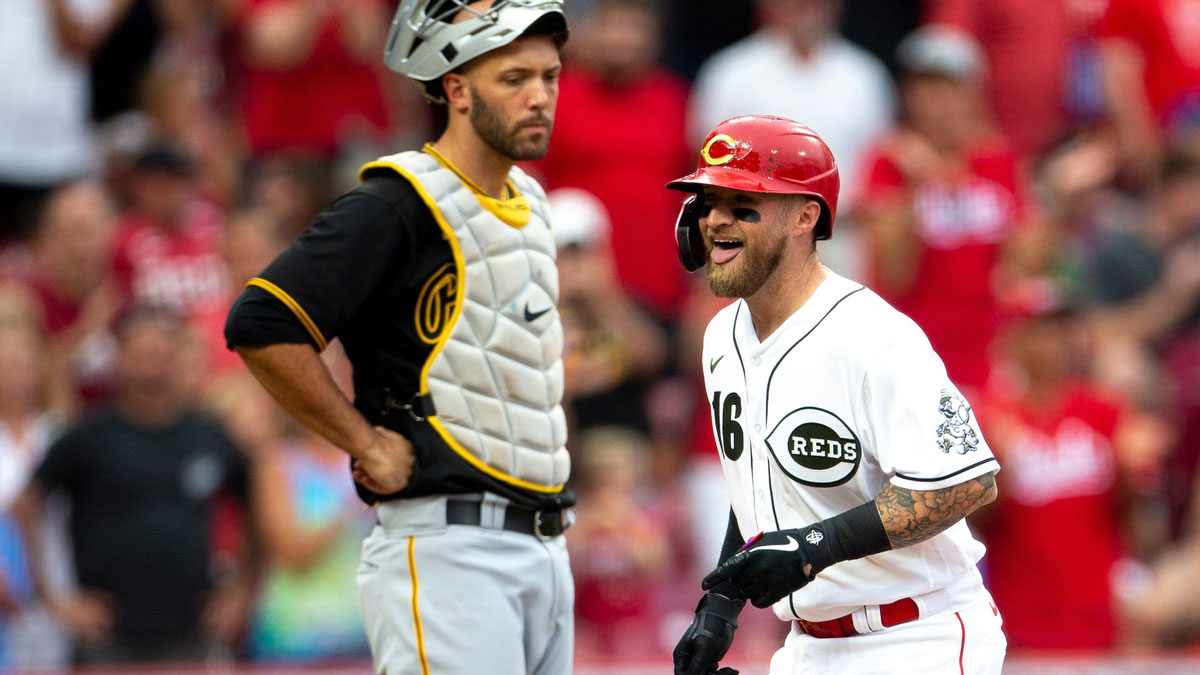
{"type": "Point", "coordinates": [687, 234]}
{"type": "Point", "coordinates": [824, 227]}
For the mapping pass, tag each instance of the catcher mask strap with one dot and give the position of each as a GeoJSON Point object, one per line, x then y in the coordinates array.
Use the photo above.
{"type": "Point", "coordinates": [426, 41]}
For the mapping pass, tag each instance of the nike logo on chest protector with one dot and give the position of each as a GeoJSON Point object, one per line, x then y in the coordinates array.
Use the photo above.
{"type": "Point", "coordinates": [532, 316]}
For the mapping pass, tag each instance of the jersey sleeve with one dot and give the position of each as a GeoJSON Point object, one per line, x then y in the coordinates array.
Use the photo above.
{"type": "Point", "coordinates": [237, 471]}
{"type": "Point", "coordinates": [60, 467]}
{"type": "Point", "coordinates": [1124, 20]}
{"type": "Point", "coordinates": [925, 431]}
{"type": "Point", "coordinates": [319, 282]}
{"type": "Point", "coordinates": [882, 182]}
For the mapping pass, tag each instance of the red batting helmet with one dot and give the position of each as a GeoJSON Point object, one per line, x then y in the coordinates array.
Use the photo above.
{"type": "Point", "coordinates": [759, 153]}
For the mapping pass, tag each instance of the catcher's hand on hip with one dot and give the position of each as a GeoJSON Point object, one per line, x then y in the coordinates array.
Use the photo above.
{"type": "Point", "coordinates": [385, 467]}
{"type": "Point", "coordinates": [771, 567]}
{"type": "Point", "coordinates": [705, 642]}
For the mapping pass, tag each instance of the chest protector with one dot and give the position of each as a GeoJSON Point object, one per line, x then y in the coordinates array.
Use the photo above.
{"type": "Point", "coordinates": [495, 370]}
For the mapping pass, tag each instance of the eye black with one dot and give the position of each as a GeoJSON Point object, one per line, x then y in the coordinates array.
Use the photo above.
{"type": "Point", "coordinates": [747, 215]}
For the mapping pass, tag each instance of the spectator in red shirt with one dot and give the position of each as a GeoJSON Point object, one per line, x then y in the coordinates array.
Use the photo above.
{"type": "Point", "coordinates": [942, 196]}
{"type": "Point", "coordinates": [1048, 72]}
{"type": "Point", "coordinates": [72, 280]}
{"type": "Point", "coordinates": [1055, 535]}
{"type": "Point", "coordinates": [168, 248]}
{"type": "Point", "coordinates": [619, 134]}
{"type": "Point", "coordinates": [1152, 70]}
{"type": "Point", "coordinates": [620, 551]}
{"type": "Point", "coordinates": [311, 79]}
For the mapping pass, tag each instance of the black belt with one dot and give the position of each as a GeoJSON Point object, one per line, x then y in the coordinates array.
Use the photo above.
{"type": "Point", "coordinates": [543, 524]}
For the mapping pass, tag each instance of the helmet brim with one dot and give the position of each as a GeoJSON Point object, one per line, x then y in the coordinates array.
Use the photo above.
{"type": "Point", "coordinates": [733, 179]}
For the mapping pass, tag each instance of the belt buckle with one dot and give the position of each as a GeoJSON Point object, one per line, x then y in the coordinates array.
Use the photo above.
{"type": "Point", "coordinates": [537, 526]}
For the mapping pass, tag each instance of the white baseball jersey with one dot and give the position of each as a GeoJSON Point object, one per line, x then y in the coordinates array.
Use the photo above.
{"type": "Point", "coordinates": [844, 397]}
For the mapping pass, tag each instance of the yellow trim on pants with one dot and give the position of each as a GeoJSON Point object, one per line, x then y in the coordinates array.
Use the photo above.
{"type": "Point", "coordinates": [416, 610]}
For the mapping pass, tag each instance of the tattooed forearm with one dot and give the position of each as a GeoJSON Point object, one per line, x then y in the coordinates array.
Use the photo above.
{"type": "Point", "coordinates": [912, 516]}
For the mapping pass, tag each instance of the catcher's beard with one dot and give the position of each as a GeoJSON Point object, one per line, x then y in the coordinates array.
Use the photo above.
{"type": "Point", "coordinates": [494, 130]}
{"type": "Point", "coordinates": [752, 271]}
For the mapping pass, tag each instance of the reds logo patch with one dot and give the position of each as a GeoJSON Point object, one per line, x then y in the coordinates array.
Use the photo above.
{"type": "Point", "coordinates": [815, 447]}
{"type": "Point", "coordinates": [956, 432]}
{"type": "Point", "coordinates": [436, 303]}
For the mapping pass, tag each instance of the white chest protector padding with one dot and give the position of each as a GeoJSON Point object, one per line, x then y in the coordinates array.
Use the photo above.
{"type": "Point", "coordinates": [497, 382]}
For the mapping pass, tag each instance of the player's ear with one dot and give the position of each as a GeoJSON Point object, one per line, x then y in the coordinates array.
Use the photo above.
{"type": "Point", "coordinates": [458, 92]}
{"type": "Point", "coordinates": [805, 213]}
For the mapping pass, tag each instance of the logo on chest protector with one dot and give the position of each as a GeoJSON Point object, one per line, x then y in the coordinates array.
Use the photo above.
{"type": "Point", "coordinates": [815, 447]}
{"type": "Point", "coordinates": [436, 304]}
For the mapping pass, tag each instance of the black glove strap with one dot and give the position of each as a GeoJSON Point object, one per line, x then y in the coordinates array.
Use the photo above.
{"type": "Point", "coordinates": [724, 602]}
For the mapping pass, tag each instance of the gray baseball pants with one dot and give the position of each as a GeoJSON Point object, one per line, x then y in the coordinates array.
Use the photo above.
{"type": "Point", "coordinates": [442, 599]}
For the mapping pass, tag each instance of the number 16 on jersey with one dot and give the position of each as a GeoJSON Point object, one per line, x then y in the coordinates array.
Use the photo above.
{"type": "Point", "coordinates": [729, 433]}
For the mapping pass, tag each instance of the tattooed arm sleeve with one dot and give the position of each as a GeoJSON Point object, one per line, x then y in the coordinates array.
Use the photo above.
{"type": "Point", "coordinates": [912, 516]}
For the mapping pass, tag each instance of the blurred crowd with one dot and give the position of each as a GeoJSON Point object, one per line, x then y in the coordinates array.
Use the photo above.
{"type": "Point", "coordinates": [1021, 177]}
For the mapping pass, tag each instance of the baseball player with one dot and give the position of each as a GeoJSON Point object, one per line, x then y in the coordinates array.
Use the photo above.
{"type": "Point", "coordinates": [850, 458]}
{"type": "Point", "coordinates": [438, 275]}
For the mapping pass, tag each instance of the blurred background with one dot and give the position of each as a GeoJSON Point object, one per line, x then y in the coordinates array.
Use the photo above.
{"type": "Point", "coordinates": [1021, 177]}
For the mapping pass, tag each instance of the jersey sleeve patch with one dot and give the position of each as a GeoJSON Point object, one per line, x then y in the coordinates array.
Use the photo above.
{"type": "Point", "coordinates": [956, 433]}
{"type": "Point", "coordinates": [925, 432]}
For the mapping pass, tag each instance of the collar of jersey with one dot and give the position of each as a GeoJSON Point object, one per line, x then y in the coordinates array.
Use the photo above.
{"type": "Point", "coordinates": [513, 210]}
{"type": "Point", "coordinates": [832, 288]}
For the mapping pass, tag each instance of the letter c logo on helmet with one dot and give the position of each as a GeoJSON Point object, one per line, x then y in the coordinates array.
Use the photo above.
{"type": "Point", "coordinates": [771, 155]}
{"type": "Point", "coordinates": [718, 150]}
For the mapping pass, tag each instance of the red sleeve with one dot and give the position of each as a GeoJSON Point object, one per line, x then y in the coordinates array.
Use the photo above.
{"type": "Point", "coordinates": [959, 13]}
{"type": "Point", "coordinates": [1107, 408]}
{"type": "Point", "coordinates": [1124, 19]}
{"type": "Point", "coordinates": [122, 264]}
{"type": "Point", "coordinates": [884, 181]}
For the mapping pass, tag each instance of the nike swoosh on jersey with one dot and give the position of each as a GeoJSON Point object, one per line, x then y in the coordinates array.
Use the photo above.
{"type": "Point", "coordinates": [712, 365]}
{"type": "Point", "coordinates": [792, 545]}
{"type": "Point", "coordinates": [531, 316]}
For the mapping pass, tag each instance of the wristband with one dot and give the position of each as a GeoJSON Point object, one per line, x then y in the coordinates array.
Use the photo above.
{"type": "Point", "coordinates": [856, 533]}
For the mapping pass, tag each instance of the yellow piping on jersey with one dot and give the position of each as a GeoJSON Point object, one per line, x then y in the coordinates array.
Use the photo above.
{"type": "Point", "coordinates": [459, 292]}
{"type": "Point", "coordinates": [290, 303]}
{"type": "Point", "coordinates": [416, 609]}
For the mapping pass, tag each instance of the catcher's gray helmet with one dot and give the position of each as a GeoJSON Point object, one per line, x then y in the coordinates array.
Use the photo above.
{"type": "Point", "coordinates": [424, 44]}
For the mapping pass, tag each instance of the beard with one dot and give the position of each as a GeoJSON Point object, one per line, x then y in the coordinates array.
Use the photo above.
{"type": "Point", "coordinates": [755, 268]}
{"type": "Point", "coordinates": [492, 128]}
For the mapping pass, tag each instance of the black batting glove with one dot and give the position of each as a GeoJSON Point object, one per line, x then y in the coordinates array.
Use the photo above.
{"type": "Point", "coordinates": [771, 566]}
{"type": "Point", "coordinates": [705, 642]}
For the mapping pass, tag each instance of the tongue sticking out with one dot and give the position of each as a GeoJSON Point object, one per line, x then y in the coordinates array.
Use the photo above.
{"type": "Point", "coordinates": [721, 255]}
